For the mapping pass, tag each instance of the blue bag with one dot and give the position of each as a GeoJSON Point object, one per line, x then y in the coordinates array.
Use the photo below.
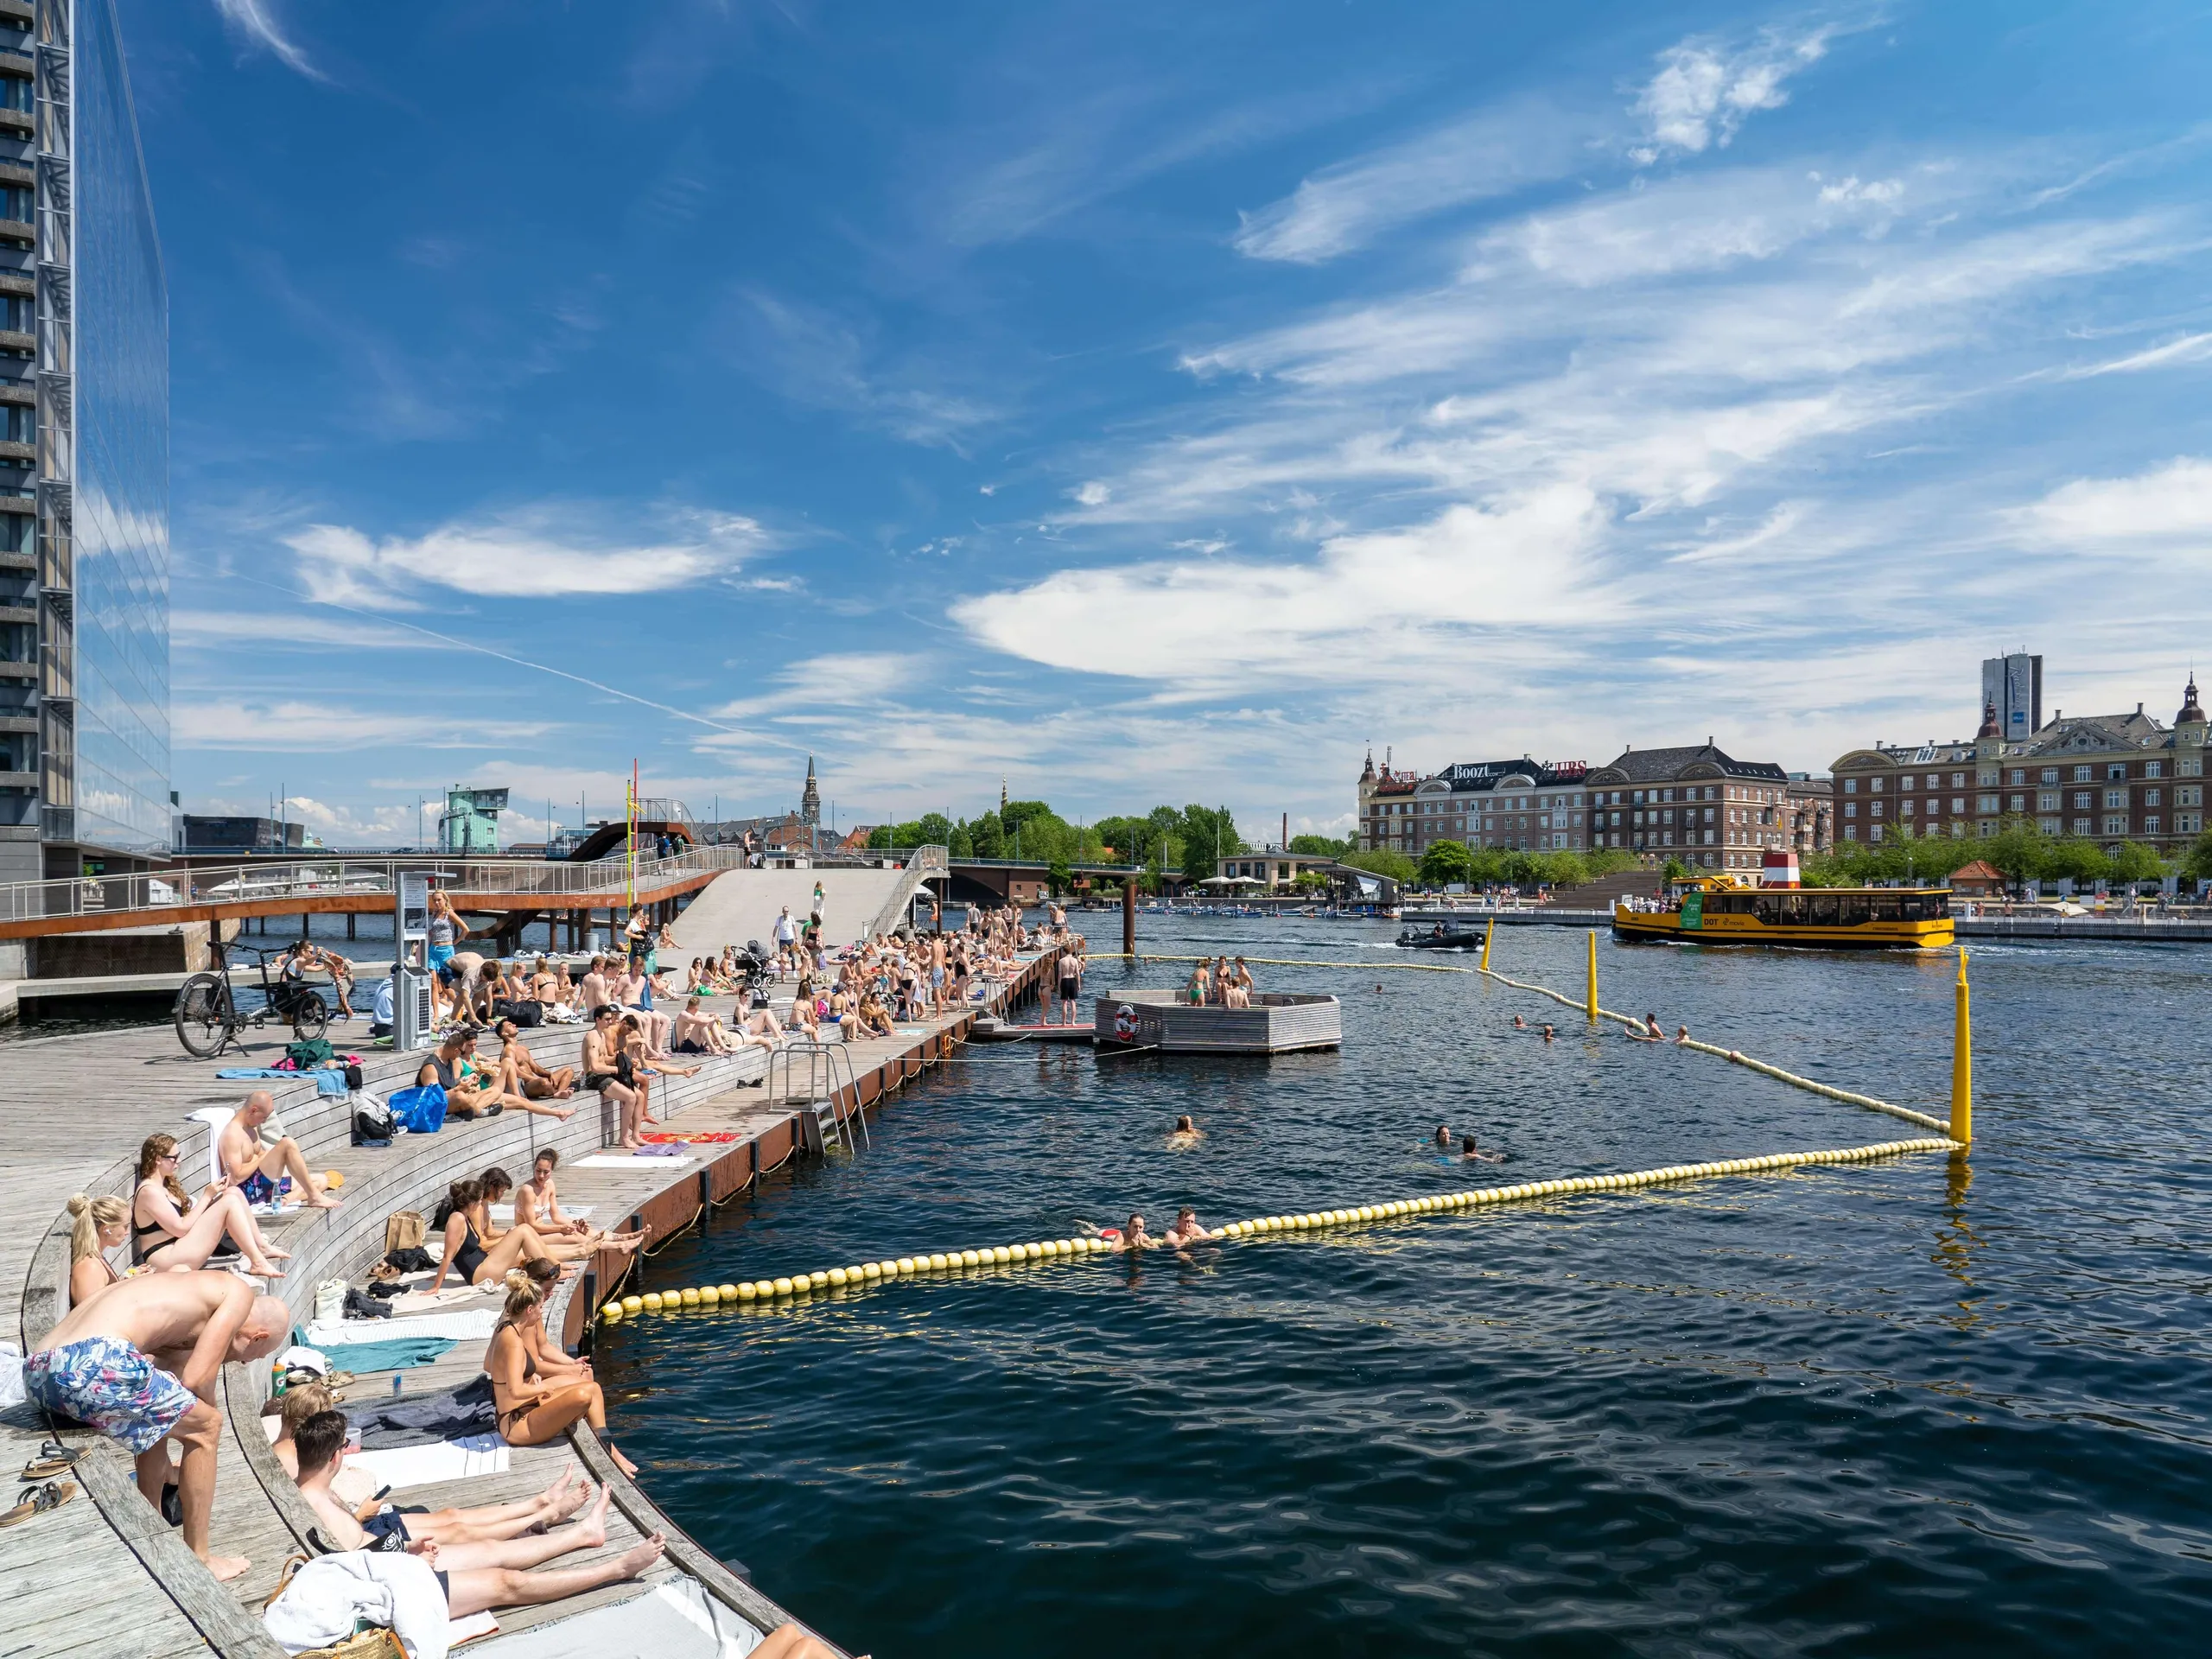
{"type": "Point", "coordinates": [419, 1111]}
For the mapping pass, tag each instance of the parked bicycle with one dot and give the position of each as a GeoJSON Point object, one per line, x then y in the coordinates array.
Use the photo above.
{"type": "Point", "coordinates": [208, 1019]}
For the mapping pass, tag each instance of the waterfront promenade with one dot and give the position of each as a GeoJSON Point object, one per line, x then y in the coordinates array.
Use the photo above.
{"type": "Point", "coordinates": [101, 1575]}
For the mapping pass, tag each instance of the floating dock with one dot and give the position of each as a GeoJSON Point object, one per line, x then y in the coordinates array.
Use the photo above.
{"type": "Point", "coordinates": [1277, 1022]}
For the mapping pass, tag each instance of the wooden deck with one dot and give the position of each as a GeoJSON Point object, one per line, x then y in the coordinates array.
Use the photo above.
{"type": "Point", "coordinates": [102, 1575]}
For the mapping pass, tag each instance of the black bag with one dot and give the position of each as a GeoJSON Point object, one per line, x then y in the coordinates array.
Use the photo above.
{"type": "Point", "coordinates": [372, 1124]}
{"type": "Point", "coordinates": [353, 1075]}
{"type": "Point", "coordinates": [411, 1261]}
{"type": "Point", "coordinates": [527, 1016]}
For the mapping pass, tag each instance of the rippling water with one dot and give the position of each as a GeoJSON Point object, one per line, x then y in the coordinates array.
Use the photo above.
{"type": "Point", "coordinates": [1901, 1408]}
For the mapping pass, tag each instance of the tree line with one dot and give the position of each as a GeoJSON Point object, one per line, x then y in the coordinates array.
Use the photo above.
{"type": "Point", "coordinates": [2018, 851]}
{"type": "Point", "coordinates": [1187, 839]}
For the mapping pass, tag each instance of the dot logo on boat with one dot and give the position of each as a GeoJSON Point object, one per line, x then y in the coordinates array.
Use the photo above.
{"type": "Point", "coordinates": [1125, 1024]}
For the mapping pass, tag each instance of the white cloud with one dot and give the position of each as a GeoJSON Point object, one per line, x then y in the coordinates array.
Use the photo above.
{"type": "Point", "coordinates": [820, 360]}
{"type": "Point", "coordinates": [525, 556]}
{"type": "Point", "coordinates": [1343, 207]}
{"type": "Point", "coordinates": [291, 725]}
{"type": "Point", "coordinates": [256, 21]}
{"type": "Point", "coordinates": [1703, 91]}
{"type": "Point", "coordinates": [1092, 494]}
{"type": "Point", "coordinates": [2173, 503]}
{"type": "Point", "coordinates": [2189, 348]}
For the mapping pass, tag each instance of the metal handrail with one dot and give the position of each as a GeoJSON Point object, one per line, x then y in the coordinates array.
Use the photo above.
{"type": "Point", "coordinates": [926, 862]}
{"type": "Point", "coordinates": [261, 883]}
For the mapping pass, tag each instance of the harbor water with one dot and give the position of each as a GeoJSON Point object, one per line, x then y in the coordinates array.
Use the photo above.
{"type": "Point", "coordinates": [1918, 1407]}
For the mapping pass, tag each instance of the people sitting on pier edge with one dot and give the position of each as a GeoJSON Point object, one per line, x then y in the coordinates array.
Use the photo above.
{"type": "Point", "coordinates": [472, 1574]}
{"type": "Point", "coordinates": [495, 1186]}
{"type": "Point", "coordinates": [538, 1390]}
{"type": "Point", "coordinates": [96, 1226]}
{"type": "Point", "coordinates": [315, 1435]}
{"type": "Point", "coordinates": [254, 1168]}
{"type": "Point", "coordinates": [537, 1205]}
{"type": "Point", "coordinates": [140, 1363]}
{"type": "Point", "coordinates": [165, 1235]}
{"type": "Point", "coordinates": [521, 1073]}
{"type": "Point", "coordinates": [474, 1254]}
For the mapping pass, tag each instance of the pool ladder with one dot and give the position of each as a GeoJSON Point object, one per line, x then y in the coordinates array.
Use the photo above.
{"type": "Point", "coordinates": [820, 1124]}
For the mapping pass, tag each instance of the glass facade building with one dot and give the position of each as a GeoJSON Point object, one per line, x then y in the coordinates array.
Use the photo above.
{"type": "Point", "coordinates": [84, 455]}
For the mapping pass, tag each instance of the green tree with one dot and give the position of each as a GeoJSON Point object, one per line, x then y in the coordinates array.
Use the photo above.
{"type": "Point", "coordinates": [1446, 861]}
{"type": "Point", "coordinates": [1675, 870]}
{"type": "Point", "coordinates": [2077, 859]}
{"type": "Point", "coordinates": [1209, 834]}
{"type": "Point", "coordinates": [1061, 878]}
{"type": "Point", "coordinates": [987, 836]}
{"type": "Point", "coordinates": [879, 839]}
{"type": "Point", "coordinates": [1320, 846]}
{"type": "Point", "coordinates": [932, 829]}
{"type": "Point", "coordinates": [2197, 862]}
{"type": "Point", "coordinates": [960, 843]}
{"type": "Point", "coordinates": [2133, 862]}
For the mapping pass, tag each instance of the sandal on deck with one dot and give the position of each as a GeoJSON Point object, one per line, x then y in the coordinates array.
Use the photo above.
{"type": "Point", "coordinates": [54, 1459]}
{"type": "Point", "coordinates": [52, 1495]}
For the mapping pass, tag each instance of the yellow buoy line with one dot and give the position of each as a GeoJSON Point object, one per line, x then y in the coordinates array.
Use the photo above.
{"type": "Point", "coordinates": [787, 1290]}
{"type": "Point", "coordinates": [1774, 1072]}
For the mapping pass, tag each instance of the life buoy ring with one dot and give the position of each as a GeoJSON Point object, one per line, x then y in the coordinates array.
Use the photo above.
{"type": "Point", "coordinates": [1125, 1024]}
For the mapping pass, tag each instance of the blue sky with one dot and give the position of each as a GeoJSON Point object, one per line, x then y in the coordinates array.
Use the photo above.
{"type": "Point", "coordinates": [1158, 402]}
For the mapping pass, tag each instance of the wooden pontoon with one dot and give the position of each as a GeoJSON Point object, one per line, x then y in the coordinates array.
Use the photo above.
{"type": "Point", "coordinates": [1278, 1022]}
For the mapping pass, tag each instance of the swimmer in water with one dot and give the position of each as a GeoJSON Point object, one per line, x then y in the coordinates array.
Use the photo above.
{"type": "Point", "coordinates": [1473, 1153]}
{"type": "Point", "coordinates": [1443, 1136]}
{"type": "Point", "coordinates": [1185, 1230]}
{"type": "Point", "coordinates": [1648, 1032]}
{"type": "Point", "coordinates": [1519, 1024]}
{"type": "Point", "coordinates": [1682, 1033]}
{"type": "Point", "coordinates": [1132, 1238]}
{"type": "Point", "coordinates": [1185, 1134]}
{"type": "Point", "coordinates": [1548, 1033]}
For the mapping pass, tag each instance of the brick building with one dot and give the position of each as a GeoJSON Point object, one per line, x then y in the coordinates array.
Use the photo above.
{"type": "Point", "coordinates": [2108, 778]}
{"type": "Point", "coordinates": [1517, 805]}
{"type": "Point", "coordinates": [1386, 807]}
{"type": "Point", "coordinates": [1699, 805]}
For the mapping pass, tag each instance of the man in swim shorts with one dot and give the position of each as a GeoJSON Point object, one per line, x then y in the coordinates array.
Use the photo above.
{"type": "Point", "coordinates": [103, 1364]}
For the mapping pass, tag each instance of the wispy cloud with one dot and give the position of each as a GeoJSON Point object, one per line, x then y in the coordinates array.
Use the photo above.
{"type": "Point", "coordinates": [526, 557]}
{"type": "Point", "coordinates": [2168, 504]}
{"type": "Point", "coordinates": [290, 725]}
{"type": "Point", "coordinates": [1705, 91]}
{"type": "Point", "coordinates": [820, 360]}
{"type": "Point", "coordinates": [256, 21]}
{"type": "Point", "coordinates": [1491, 153]}
{"type": "Point", "coordinates": [2189, 348]}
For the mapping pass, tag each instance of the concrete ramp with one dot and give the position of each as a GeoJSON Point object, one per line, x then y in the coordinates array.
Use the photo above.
{"type": "Point", "coordinates": [741, 905]}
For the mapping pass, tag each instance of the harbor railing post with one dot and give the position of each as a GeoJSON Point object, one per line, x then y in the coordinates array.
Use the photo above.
{"type": "Point", "coordinates": [1962, 1060]}
{"type": "Point", "coordinates": [1487, 933]}
{"type": "Point", "coordinates": [1593, 976]}
{"type": "Point", "coordinates": [1129, 916]}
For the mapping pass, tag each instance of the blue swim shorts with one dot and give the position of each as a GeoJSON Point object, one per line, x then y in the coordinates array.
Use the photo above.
{"type": "Point", "coordinates": [104, 1381]}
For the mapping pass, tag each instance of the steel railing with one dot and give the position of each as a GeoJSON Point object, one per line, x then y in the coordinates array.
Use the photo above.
{"type": "Point", "coordinates": [269, 882]}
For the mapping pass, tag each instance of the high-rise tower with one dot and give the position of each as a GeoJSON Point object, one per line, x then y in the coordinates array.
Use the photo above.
{"type": "Point", "coordinates": [84, 455]}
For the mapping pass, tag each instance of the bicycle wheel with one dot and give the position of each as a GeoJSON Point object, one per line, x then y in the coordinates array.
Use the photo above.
{"type": "Point", "coordinates": [203, 1015]}
{"type": "Point", "coordinates": [309, 1016]}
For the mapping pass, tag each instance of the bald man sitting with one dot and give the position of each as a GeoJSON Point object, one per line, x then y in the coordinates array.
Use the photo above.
{"type": "Point", "coordinates": [254, 1168]}
{"type": "Point", "coordinates": [139, 1362]}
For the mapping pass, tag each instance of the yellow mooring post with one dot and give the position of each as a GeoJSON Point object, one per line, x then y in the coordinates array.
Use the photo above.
{"type": "Point", "coordinates": [1487, 933]}
{"type": "Point", "coordinates": [1593, 976]}
{"type": "Point", "coordinates": [1962, 1061]}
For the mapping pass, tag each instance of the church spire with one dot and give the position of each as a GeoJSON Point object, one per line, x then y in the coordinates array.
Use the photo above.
{"type": "Point", "coordinates": [810, 801]}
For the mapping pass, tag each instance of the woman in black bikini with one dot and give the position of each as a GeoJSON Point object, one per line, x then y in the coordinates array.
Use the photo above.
{"type": "Point", "coordinates": [166, 1235]}
{"type": "Point", "coordinates": [534, 1407]}
{"type": "Point", "coordinates": [465, 1220]}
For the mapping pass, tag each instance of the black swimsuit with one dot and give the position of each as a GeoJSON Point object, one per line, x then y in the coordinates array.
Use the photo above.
{"type": "Point", "coordinates": [470, 1255]}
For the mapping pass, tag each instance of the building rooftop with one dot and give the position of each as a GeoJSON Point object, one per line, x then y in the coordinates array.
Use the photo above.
{"type": "Point", "coordinates": [1658, 765]}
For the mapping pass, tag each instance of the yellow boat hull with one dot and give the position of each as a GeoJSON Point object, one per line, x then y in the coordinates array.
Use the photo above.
{"type": "Point", "coordinates": [1873, 933]}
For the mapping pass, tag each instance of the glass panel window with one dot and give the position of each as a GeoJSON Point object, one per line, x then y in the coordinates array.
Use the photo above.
{"type": "Point", "coordinates": [1905, 810]}
{"type": "Point", "coordinates": [2116, 770]}
{"type": "Point", "coordinates": [2018, 804]}
{"type": "Point", "coordinates": [2082, 798]}
{"type": "Point", "coordinates": [1958, 802]}
{"type": "Point", "coordinates": [2017, 776]}
{"type": "Point", "coordinates": [2190, 768]}
{"type": "Point", "coordinates": [2081, 826]}
{"type": "Point", "coordinates": [17, 203]}
{"type": "Point", "coordinates": [1874, 784]}
{"type": "Point", "coordinates": [2046, 800]}
{"type": "Point", "coordinates": [2116, 826]}
{"type": "Point", "coordinates": [2152, 796]}
{"type": "Point", "coordinates": [2080, 775]}
{"type": "Point", "coordinates": [2049, 826]}
{"type": "Point", "coordinates": [2151, 826]}
{"type": "Point", "coordinates": [2154, 768]}
{"type": "Point", "coordinates": [2049, 775]}
{"type": "Point", "coordinates": [1850, 785]}
{"type": "Point", "coordinates": [2116, 797]}
{"type": "Point", "coordinates": [1908, 782]}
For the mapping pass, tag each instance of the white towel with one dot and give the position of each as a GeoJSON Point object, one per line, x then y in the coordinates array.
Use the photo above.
{"type": "Point", "coordinates": [480, 1323]}
{"type": "Point", "coordinates": [217, 1118]}
{"type": "Point", "coordinates": [504, 1214]}
{"type": "Point", "coordinates": [425, 1465]}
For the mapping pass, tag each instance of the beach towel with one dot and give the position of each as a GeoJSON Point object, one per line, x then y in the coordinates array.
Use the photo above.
{"type": "Point", "coordinates": [401, 1466]}
{"type": "Point", "coordinates": [327, 1082]}
{"type": "Point", "coordinates": [452, 1299]}
{"type": "Point", "coordinates": [351, 1333]}
{"type": "Point", "coordinates": [427, 1419]}
{"type": "Point", "coordinates": [677, 1619]}
{"type": "Point", "coordinates": [693, 1137]}
{"type": "Point", "coordinates": [626, 1160]}
{"type": "Point", "coordinates": [398, 1354]}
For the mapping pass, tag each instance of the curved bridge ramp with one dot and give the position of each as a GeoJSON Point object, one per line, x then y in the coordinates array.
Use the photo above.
{"type": "Point", "coordinates": [742, 904]}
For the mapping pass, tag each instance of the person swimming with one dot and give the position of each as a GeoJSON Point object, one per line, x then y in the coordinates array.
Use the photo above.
{"type": "Point", "coordinates": [1470, 1151]}
{"type": "Point", "coordinates": [1185, 1230]}
{"type": "Point", "coordinates": [1131, 1237]}
{"type": "Point", "coordinates": [1519, 1024]}
{"type": "Point", "coordinates": [1185, 1134]}
{"type": "Point", "coordinates": [1443, 1136]}
{"type": "Point", "coordinates": [1682, 1033]}
{"type": "Point", "coordinates": [1548, 1033]}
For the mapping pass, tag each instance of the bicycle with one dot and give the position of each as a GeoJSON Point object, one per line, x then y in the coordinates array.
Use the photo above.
{"type": "Point", "coordinates": [208, 1016]}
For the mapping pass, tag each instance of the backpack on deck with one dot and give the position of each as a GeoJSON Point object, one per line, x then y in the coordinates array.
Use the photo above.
{"type": "Point", "coordinates": [309, 1053]}
{"type": "Point", "coordinates": [373, 1121]}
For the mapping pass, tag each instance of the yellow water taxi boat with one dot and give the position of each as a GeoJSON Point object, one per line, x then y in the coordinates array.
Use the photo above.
{"type": "Point", "coordinates": [1716, 910]}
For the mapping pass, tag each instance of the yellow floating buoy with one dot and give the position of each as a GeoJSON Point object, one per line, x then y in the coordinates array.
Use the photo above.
{"type": "Point", "coordinates": [610, 1312]}
{"type": "Point", "coordinates": [817, 1279]}
{"type": "Point", "coordinates": [970, 1258]}
{"type": "Point", "coordinates": [710, 1295]}
{"type": "Point", "coordinates": [872, 1270]}
{"type": "Point", "coordinates": [785, 1287]}
{"type": "Point", "coordinates": [652, 1301]}
{"type": "Point", "coordinates": [689, 1298]}
{"type": "Point", "coordinates": [904, 1265]}
{"type": "Point", "coordinates": [633, 1304]}
{"type": "Point", "coordinates": [939, 1262]}
{"type": "Point", "coordinates": [748, 1293]}
{"type": "Point", "coordinates": [837, 1275]}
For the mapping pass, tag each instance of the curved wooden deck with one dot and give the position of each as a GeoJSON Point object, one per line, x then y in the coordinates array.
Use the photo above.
{"type": "Point", "coordinates": [103, 1575]}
